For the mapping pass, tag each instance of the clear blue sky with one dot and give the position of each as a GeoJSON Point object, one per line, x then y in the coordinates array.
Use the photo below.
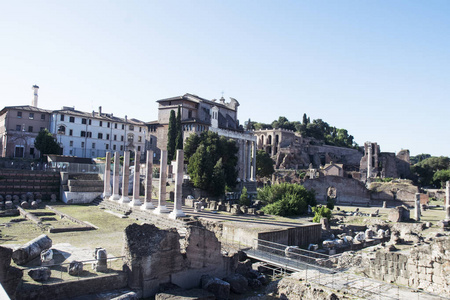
{"type": "Point", "coordinates": [380, 69]}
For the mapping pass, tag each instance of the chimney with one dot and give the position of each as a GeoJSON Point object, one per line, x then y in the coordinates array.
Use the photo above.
{"type": "Point", "coordinates": [35, 89]}
{"type": "Point", "coordinates": [99, 110]}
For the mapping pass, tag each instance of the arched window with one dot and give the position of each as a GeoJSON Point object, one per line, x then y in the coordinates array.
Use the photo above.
{"type": "Point", "coordinates": [62, 129]}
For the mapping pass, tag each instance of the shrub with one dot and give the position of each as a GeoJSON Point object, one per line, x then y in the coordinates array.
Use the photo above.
{"type": "Point", "coordinates": [244, 199]}
{"type": "Point", "coordinates": [321, 212]}
{"type": "Point", "coordinates": [286, 199]}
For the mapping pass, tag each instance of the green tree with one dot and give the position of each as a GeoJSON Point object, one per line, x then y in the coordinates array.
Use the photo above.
{"type": "Point", "coordinates": [244, 199]}
{"type": "Point", "coordinates": [207, 154]}
{"type": "Point", "coordinates": [286, 199]}
{"type": "Point", "coordinates": [171, 136]}
{"type": "Point", "coordinates": [179, 137]}
{"type": "Point", "coordinates": [321, 212]}
{"type": "Point", "coordinates": [440, 177]}
{"type": "Point", "coordinates": [46, 143]}
{"type": "Point", "coordinates": [264, 164]}
{"type": "Point", "coordinates": [425, 169]}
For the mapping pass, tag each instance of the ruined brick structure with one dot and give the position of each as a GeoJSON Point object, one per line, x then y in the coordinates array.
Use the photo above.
{"type": "Point", "coordinates": [292, 151]}
{"type": "Point", "coordinates": [383, 164]}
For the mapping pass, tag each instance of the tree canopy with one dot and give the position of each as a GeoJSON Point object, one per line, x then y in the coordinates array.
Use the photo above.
{"type": "Point", "coordinates": [46, 143]}
{"type": "Point", "coordinates": [427, 168]}
{"type": "Point", "coordinates": [212, 161]}
{"type": "Point", "coordinates": [171, 136]}
{"type": "Point", "coordinates": [286, 199]}
{"type": "Point", "coordinates": [264, 164]}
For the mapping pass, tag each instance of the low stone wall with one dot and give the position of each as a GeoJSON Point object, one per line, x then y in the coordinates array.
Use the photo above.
{"type": "Point", "coordinates": [17, 182]}
{"type": "Point", "coordinates": [426, 267]}
{"type": "Point", "coordinates": [66, 290]}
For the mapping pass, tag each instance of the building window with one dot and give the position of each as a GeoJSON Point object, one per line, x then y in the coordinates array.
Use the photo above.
{"type": "Point", "coordinates": [61, 129]}
{"type": "Point", "coordinates": [70, 132]}
{"type": "Point", "coordinates": [121, 147]}
{"type": "Point", "coordinates": [114, 147]}
{"type": "Point", "coordinates": [100, 135]}
{"type": "Point", "coordinates": [107, 146]}
{"type": "Point", "coordinates": [115, 125]}
{"type": "Point", "coordinates": [139, 139]}
{"type": "Point", "coordinates": [107, 136]}
{"type": "Point", "coordinates": [83, 121]}
{"type": "Point", "coordinates": [123, 126]}
{"type": "Point", "coordinates": [115, 137]}
{"type": "Point", "coordinates": [71, 143]}
{"type": "Point", "coordinates": [30, 128]}
{"type": "Point", "coordinates": [42, 117]}
{"type": "Point", "coordinates": [31, 117]}
{"type": "Point", "coordinates": [130, 137]}
{"type": "Point", "coordinates": [100, 123]}
{"type": "Point", "coordinates": [140, 129]}
{"type": "Point", "coordinates": [139, 148]}
{"type": "Point", "coordinates": [19, 114]}
{"type": "Point", "coordinates": [93, 145]}
{"type": "Point", "coordinates": [90, 122]}
{"type": "Point", "coordinates": [82, 144]}
{"type": "Point", "coordinates": [18, 128]}
{"type": "Point", "coordinates": [71, 152]}
{"type": "Point", "coordinates": [151, 140]}
{"type": "Point", "coordinates": [131, 127]}
{"type": "Point", "coordinates": [61, 118]}
{"type": "Point", "coordinates": [42, 128]}
{"type": "Point", "coordinates": [121, 138]}
{"type": "Point", "coordinates": [190, 114]}
{"type": "Point", "coordinates": [89, 134]}
{"type": "Point", "coordinates": [72, 119]}
{"type": "Point", "coordinates": [83, 134]}
{"type": "Point", "coordinates": [108, 125]}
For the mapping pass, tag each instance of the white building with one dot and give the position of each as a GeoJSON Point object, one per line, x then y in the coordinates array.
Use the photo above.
{"type": "Point", "coordinates": [91, 135]}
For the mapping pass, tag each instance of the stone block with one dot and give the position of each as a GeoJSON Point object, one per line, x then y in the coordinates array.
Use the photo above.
{"type": "Point", "coordinates": [40, 274]}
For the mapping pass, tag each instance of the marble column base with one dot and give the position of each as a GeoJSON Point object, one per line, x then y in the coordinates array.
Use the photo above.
{"type": "Point", "coordinates": [124, 200]}
{"type": "Point", "coordinates": [177, 213]}
{"type": "Point", "coordinates": [162, 209]}
{"type": "Point", "coordinates": [135, 202]}
{"type": "Point", "coordinates": [115, 197]}
{"type": "Point", "coordinates": [147, 205]}
{"type": "Point", "coordinates": [106, 195]}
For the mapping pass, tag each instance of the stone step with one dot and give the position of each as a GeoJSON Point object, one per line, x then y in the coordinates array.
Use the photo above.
{"type": "Point", "coordinates": [86, 183]}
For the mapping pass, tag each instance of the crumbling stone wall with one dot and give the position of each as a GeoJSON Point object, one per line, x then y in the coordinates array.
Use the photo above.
{"type": "Point", "coordinates": [348, 190]}
{"type": "Point", "coordinates": [426, 267]}
{"type": "Point", "coordinates": [154, 256]}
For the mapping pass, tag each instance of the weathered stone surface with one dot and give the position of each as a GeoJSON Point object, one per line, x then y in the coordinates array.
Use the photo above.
{"type": "Point", "coordinates": [25, 204]}
{"type": "Point", "coordinates": [218, 287]}
{"type": "Point", "coordinates": [244, 267]}
{"type": "Point", "coordinates": [8, 204]}
{"type": "Point", "coordinates": [399, 214]}
{"type": "Point", "coordinates": [32, 249]}
{"type": "Point", "coordinates": [127, 296]}
{"type": "Point", "coordinates": [5, 261]}
{"type": "Point", "coordinates": [34, 204]}
{"type": "Point", "coordinates": [46, 256]}
{"type": "Point", "coordinates": [194, 294]}
{"type": "Point", "coordinates": [254, 284]}
{"type": "Point", "coordinates": [101, 265]}
{"type": "Point", "coordinates": [11, 280]}
{"type": "Point", "coordinates": [75, 268]}
{"type": "Point", "coordinates": [238, 283]}
{"type": "Point", "coordinates": [40, 274]}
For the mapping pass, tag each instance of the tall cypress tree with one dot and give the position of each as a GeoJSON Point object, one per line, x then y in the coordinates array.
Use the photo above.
{"type": "Point", "coordinates": [179, 137]}
{"type": "Point", "coordinates": [171, 136]}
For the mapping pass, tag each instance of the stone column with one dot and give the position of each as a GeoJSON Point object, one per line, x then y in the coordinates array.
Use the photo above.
{"type": "Point", "coordinates": [369, 161]}
{"type": "Point", "coordinates": [125, 177]}
{"type": "Point", "coordinates": [107, 176]}
{"type": "Point", "coordinates": [244, 160]}
{"type": "Point", "coordinates": [115, 195]}
{"type": "Point", "coordinates": [136, 182]}
{"type": "Point", "coordinates": [162, 185]}
{"type": "Point", "coordinates": [253, 178]}
{"type": "Point", "coordinates": [417, 207]}
{"type": "Point", "coordinates": [177, 207]}
{"type": "Point", "coordinates": [249, 160]}
{"type": "Point", "coordinates": [447, 201]}
{"type": "Point", "coordinates": [273, 145]}
{"type": "Point", "coordinates": [241, 159]}
{"type": "Point", "coordinates": [148, 182]}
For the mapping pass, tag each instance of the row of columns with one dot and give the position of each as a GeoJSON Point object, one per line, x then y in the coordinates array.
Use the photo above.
{"type": "Point", "coordinates": [247, 158]}
{"type": "Point", "coordinates": [135, 201]}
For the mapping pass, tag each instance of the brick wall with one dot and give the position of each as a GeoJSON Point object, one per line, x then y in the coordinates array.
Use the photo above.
{"type": "Point", "coordinates": [17, 182]}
